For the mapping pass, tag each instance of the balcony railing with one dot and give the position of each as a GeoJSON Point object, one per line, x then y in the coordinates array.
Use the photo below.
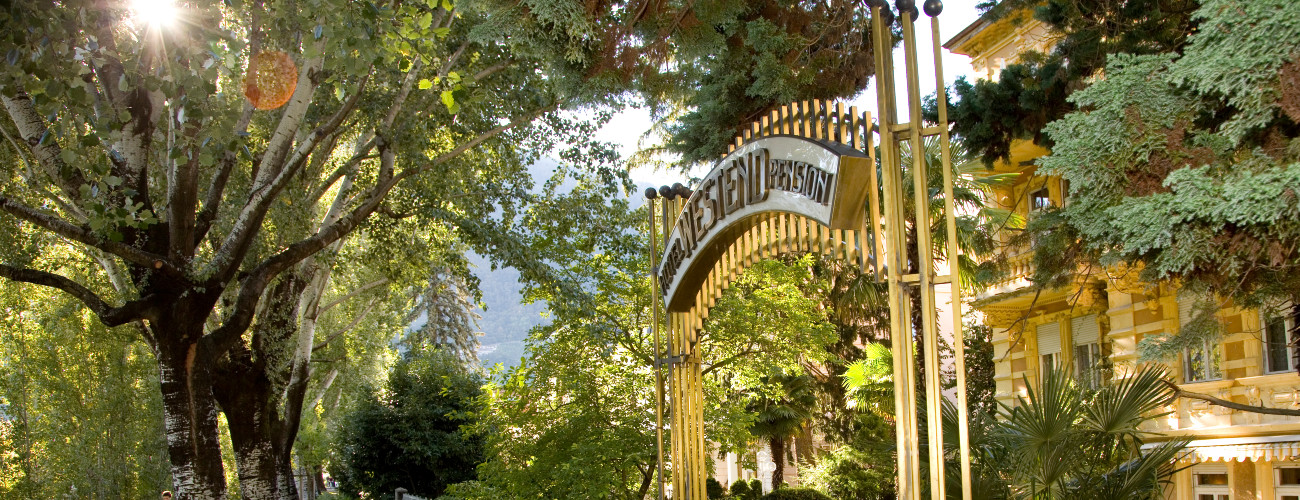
{"type": "Point", "coordinates": [1020, 266]}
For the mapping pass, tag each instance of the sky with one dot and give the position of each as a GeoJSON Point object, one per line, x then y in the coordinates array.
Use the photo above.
{"type": "Point", "coordinates": [626, 128]}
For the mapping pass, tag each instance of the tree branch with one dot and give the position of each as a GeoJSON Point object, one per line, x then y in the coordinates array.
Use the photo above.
{"type": "Point", "coordinates": [109, 315]}
{"type": "Point", "coordinates": [354, 293]}
{"type": "Point", "coordinates": [83, 235]}
{"type": "Point", "coordinates": [256, 281]}
{"type": "Point", "coordinates": [240, 239]}
{"type": "Point", "coordinates": [1179, 392]}
{"type": "Point", "coordinates": [490, 70]}
{"type": "Point", "coordinates": [217, 187]}
{"type": "Point", "coordinates": [352, 324]}
{"type": "Point", "coordinates": [33, 132]}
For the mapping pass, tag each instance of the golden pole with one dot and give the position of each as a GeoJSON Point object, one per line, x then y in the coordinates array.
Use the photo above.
{"type": "Point", "coordinates": [908, 457]}
{"type": "Point", "coordinates": [954, 264]}
{"type": "Point", "coordinates": [658, 366]}
{"type": "Point", "coordinates": [925, 260]}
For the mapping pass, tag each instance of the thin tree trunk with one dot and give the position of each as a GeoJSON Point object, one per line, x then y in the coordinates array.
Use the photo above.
{"type": "Point", "coordinates": [647, 476]}
{"type": "Point", "coordinates": [777, 446]}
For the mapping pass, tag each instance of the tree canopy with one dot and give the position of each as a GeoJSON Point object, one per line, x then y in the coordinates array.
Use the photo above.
{"type": "Point", "coordinates": [226, 235]}
{"type": "Point", "coordinates": [1187, 164]}
{"type": "Point", "coordinates": [990, 114]}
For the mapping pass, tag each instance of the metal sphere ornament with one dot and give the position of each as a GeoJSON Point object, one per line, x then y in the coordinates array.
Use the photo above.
{"type": "Point", "coordinates": [916, 14]}
{"type": "Point", "coordinates": [681, 190]}
{"type": "Point", "coordinates": [270, 80]}
{"type": "Point", "coordinates": [887, 16]}
{"type": "Point", "coordinates": [666, 192]}
{"type": "Point", "coordinates": [651, 193]}
{"type": "Point", "coordinates": [933, 7]}
{"type": "Point", "coordinates": [904, 5]}
{"type": "Point", "coordinates": [876, 3]}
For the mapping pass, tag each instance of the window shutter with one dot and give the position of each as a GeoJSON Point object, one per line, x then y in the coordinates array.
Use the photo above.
{"type": "Point", "coordinates": [1085, 330]}
{"type": "Point", "coordinates": [1185, 303]}
{"type": "Point", "coordinates": [1049, 338]}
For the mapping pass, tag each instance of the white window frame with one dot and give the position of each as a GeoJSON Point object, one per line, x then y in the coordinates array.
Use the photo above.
{"type": "Point", "coordinates": [1217, 491]}
{"type": "Point", "coordinates": [1288, 323]}
{"type": "Point", "coordinates": [1279, 489]}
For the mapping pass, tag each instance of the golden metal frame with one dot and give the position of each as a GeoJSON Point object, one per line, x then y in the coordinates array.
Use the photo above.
{"type": "Point", "coordinates": [879, 245]}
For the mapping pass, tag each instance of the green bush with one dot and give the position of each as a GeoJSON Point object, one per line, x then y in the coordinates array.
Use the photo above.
{"type": "Point", "coordinates": [740, 489]}
{"type": "Point", "coordinates": [413, 434]}
{"type": "Point", "coordinates": [714, 489]}
{"type": "Point", "coordinates": [795, 494]}
{"type": "Point", "coordinates": [755, 488]}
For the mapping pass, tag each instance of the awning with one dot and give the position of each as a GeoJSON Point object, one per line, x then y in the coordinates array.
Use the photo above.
{"type": "Point", "coordinates": [1240, 449]}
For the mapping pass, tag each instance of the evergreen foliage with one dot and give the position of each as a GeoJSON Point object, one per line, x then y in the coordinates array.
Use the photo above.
{"type": "Point", "coordinates": [415, 433]}
{"type": "Point", "coordinates": [1065, 441]}
{"type": "Point", "coordinates": [733, 60]}
{"type": "Point", "coordinates": [450, 322]}
{"type": "Point", "coordinates": [779, 418]}
{"type": "Point", "coordinates": [990, 115]}
{"type": "Point", "coordinates": [1189, 164]}
{"type": "Point", "coordinates": [861, 469]}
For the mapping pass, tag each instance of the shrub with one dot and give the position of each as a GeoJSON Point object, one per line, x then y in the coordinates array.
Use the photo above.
{"type": "Point", "coordinates": [740, 489]}
{"type": "Point", "coordinates": [795, 494]}
{"type": "Point", "coordinates": [755, 488]}
{"type": "Point", "coordinates": [714, 489]}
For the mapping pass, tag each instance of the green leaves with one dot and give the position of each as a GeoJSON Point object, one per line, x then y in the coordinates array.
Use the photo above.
{"type": "Point", "coordinates": [1064, 441]}
{"type": "Point", "coordinates": [449, 100]}
{"type": "Point", "coordinates": [1184, 161]}
{"type": "Point", "coordinates": [416, 434]}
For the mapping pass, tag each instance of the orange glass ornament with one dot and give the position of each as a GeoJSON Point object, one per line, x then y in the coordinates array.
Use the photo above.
{"type": "Point", "coordinates": [270, 80]}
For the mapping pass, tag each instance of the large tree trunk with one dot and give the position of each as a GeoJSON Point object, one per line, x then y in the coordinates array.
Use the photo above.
{"type": "Point", "coordinates": [257, 435]}
{"type": "Point", "coordinates": [189, 409]}
{"type": "Point", "coordinates": [262, 436]}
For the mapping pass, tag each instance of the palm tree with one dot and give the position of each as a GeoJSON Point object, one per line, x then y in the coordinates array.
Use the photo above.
{"type": "Point", "coordinates": [782, 417]}
{"type": "Point", "coordinates": [1066, 441]}
{"type": "Point", "coordinates": [859, 304]}
{"type": "Point", "coordinates": [1061, 441]}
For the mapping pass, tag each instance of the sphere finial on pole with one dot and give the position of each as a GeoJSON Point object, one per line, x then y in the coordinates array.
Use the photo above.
{"type": "Point", "coordinates": [933, 7]}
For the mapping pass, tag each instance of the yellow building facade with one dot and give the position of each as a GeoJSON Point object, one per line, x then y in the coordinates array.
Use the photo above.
{"type": "Point", "coordinates": [1093, 327]}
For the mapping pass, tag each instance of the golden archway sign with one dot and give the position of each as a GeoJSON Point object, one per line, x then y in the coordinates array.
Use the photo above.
{"type": "Point", "coordinates": [805, 179]}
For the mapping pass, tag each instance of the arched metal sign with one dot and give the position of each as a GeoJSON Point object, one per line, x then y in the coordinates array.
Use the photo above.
{"type": "Point", "coordinates": [804, 179]}
{"type": "Point", "coordinates": [820, 180]}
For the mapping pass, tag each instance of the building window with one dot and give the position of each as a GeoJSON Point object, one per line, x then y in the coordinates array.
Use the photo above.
{"type": "Point", "coordinates": [1201, 361]}
{"type": "Point", "coordinates": [1049, 346]}
{"type": "Point", "coordinates": [1277, 348]}
{"type": "Point", "coordinates": [1088, 363]}
{"type": "Point", "coordinates": [1039, 200]}
{"type": "Point", "coordinates": [1211, 484]}
{"type": "Point", "coordinates": [1288, 483]}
